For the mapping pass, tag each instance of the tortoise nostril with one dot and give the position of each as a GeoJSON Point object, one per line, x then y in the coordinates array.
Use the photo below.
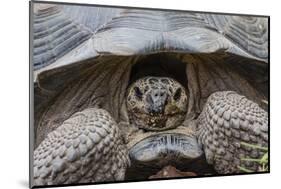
{"type": "Point", "coordinates": [158, 96]}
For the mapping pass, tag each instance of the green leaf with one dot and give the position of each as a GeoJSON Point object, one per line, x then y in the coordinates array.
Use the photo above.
{"type": "Point", "coordinates": [254, 146]}
{"type": "Point", "coordinates": [263, 161]}
{"type": "Point", "coordinates": [264, 158]}
{"type": "Point", "coordinates": [245, 169]}
{"type": "Point", "coordinates": [252, 160]}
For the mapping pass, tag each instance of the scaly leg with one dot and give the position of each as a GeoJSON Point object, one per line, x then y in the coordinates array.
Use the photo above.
{"type": "Point", "coordinates": [227, 120]}
{"type": "Point", "coordinates": [87, 147]}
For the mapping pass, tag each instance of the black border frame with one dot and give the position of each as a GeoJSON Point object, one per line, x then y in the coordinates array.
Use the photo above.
{"type": "Point", "coordinates": [31, 93]}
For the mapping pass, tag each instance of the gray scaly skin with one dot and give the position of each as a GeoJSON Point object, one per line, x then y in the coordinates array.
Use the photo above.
{"type": "Point", "coordinates": [88, 147]}
{"type": "Point", "coordinates": [227, 120]}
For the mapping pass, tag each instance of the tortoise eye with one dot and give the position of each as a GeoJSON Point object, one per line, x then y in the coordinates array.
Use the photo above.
{"type": "Point", "coordinates": [138, 92]}
{"type": "Point", "coordinates": [177, 94]}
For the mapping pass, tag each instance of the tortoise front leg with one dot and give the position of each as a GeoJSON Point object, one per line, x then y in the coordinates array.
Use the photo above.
{"type": "Point", "coordinates": [87, 147]}
{"type": "Point", "coordinates": [228, 120]}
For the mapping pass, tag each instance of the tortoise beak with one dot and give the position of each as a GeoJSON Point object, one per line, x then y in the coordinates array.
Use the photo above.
{"type": "Point", "coordinates": [157, 100]}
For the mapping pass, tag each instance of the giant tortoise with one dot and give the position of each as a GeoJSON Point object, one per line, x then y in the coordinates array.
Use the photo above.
{"type": "Point", "coordinates": [121, 93]}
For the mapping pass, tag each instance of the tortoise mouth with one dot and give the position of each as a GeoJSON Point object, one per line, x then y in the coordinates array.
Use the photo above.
{"type": "Point", "coordinates": [165, 148]}
{"type": "Point", "coordinates": [160, 114]}
{"type": "Point", "coordinates": [158, 122]}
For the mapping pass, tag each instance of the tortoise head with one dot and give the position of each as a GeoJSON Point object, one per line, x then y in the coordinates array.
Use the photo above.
{"type": "Point", "coordinates": [156, 103]}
